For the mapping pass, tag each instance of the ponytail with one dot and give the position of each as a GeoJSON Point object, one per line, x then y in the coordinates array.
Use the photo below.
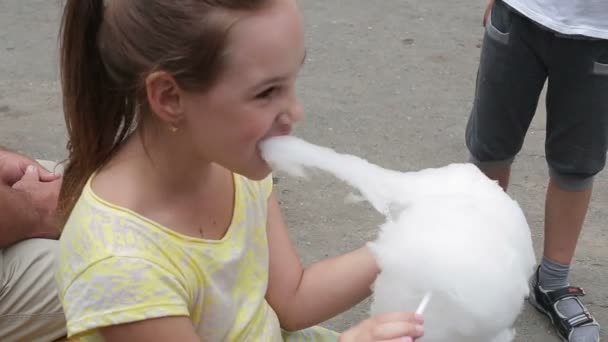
{"type": "Point", "coordinates": [98, 112]}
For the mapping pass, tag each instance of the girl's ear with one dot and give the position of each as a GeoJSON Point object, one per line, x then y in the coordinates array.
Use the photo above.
{"type": "Point", "coordinates": [165, 97]}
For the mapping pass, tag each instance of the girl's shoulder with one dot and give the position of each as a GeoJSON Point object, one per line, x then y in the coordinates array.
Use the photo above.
{"type": "Point", "coordinates": [97, 230]}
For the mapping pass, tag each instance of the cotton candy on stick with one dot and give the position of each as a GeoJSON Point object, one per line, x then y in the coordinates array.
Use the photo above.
{"type": "Point", "coordinates": [450, 231]}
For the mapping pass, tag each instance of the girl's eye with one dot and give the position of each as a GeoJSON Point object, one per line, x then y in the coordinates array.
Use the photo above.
{"type": "Point", "coordinates": [268, 93]}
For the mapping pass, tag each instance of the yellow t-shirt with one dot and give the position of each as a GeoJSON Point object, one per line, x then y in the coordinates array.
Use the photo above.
{"type": "Point", "coordinates": [116, 266]}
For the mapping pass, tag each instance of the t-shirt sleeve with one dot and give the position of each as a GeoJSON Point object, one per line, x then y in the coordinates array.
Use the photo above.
{"type": "Point", "coordinates": [121, 290]}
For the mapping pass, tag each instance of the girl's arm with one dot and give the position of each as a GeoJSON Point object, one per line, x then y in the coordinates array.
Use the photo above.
{"type": "Point", "coordinates": [303, 297]}
{"type": "Point", "coordinates": [177, 328]}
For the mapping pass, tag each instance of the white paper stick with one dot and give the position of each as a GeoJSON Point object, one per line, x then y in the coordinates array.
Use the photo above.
{"type": "Point", "coordinates": [424, 303]}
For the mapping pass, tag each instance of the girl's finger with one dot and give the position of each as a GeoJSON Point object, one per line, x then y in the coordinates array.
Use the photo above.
{"type": "Point", "coordinates": [400, 339]}
{"type": "Point", "coordinates": [398, 316]}
{"type": "Point", "coordinates": [396, 329]}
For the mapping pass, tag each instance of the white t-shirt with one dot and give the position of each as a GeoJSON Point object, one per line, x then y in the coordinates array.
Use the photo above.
{"type": "Point", "coordinates": [573, 17]}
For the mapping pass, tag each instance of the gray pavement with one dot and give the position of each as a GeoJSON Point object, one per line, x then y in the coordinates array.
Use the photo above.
{"type": "Point", "coordinates": [390, 81]}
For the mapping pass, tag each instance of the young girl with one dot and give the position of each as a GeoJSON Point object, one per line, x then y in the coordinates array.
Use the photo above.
{"type": "Point", "coordinates": [172, 231]}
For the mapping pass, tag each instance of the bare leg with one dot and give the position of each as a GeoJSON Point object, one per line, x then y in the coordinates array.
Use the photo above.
{"type": "Point", "coordinates": [565, 213]}
{"type": "Point", "coordinates": [498, 173]}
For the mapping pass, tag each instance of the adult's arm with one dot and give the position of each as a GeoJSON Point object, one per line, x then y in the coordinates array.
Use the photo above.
{"type": "Point", "coordinates": [18, 219]}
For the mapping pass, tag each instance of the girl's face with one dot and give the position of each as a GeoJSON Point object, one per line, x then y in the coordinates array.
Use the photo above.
{"type": "Point", "coordinates": [255, 98]}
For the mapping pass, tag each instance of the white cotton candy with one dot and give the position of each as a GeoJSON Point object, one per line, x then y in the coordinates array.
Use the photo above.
{"type": "Point", "coordinates": [450, 231]}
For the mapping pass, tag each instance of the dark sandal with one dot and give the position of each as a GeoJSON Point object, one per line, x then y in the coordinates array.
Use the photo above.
{"type": "Point", "coordinates": [547, 302]}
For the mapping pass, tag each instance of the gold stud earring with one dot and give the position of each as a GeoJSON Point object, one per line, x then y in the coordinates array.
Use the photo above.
{"type": "Point", "coordinates": [173, 129]}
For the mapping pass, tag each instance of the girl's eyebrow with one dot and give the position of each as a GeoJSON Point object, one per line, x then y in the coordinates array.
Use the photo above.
{"type": "Point", "coordinates": [277, 79]}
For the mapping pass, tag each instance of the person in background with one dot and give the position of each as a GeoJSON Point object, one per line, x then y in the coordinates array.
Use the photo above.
{"type": "Point", "coordinates": [526, 43]}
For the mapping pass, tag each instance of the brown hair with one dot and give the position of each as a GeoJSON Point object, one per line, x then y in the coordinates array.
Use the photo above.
{"type": "Point", "coordinates": [107, 50]}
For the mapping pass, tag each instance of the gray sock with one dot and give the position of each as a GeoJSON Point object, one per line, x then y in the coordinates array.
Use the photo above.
{"type": "Point", "coordinates": [554, 276]}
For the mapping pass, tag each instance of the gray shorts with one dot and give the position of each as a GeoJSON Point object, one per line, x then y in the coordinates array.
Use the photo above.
{"type": "Point", "coordinates": [517, 57]}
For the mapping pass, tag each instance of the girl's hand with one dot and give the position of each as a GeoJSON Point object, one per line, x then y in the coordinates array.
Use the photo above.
{"type": "Point", "coordinates": [388, 327]}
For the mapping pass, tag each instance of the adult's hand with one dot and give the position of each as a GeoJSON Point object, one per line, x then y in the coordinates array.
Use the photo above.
{"type": "Point", "coordinates": [43, 196]}
{"type": "Point", "coordinates": [13, 167]}
{"type": "Point", "coordinates": [488, 11]}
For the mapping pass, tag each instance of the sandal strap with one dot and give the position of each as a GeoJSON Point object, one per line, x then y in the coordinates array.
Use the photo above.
{"type": "Point", "coordinates": [547, 301]}
{"type": "Point", "coordinates": [566, 292]}
{"type": "Point", "coordinates": [567, 324]}
{"type": "Point", "coordinates": [579, 320]}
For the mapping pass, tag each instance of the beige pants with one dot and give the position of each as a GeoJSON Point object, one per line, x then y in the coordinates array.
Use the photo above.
{"type": "Point", "coordinates": [29, 307]}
